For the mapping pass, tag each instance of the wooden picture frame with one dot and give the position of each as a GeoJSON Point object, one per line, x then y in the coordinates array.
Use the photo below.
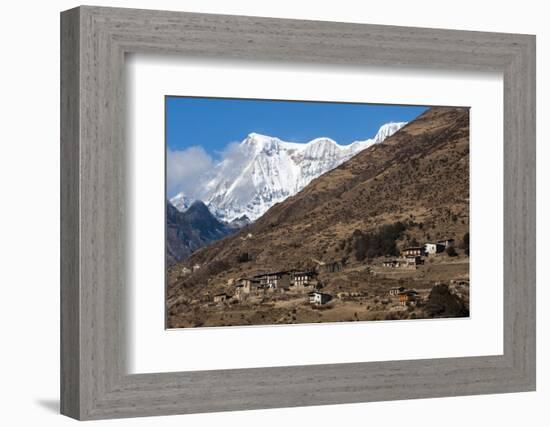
{"type": "Point", "coordinates": [94, 382]}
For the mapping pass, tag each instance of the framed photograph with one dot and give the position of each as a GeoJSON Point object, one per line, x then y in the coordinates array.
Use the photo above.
{"type": "Point", "coordinates": [265, 231]}
{"type": "Point", "coordinates": [261, 213]}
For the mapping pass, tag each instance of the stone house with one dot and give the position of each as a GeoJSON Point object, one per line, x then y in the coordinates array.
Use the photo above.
{"type": "Point", "coordinates": [274, 280]}
{"type": "Point", "coordinates": [301, 280]}
{"type": "Point", "coordinates": [219, 298]}
{"type": "Point", "coordinates": [396, 291]}
{"type": "Point", "coordinates": [393, 263]}
{"type": "Point", "coordinates": [408, 297]}
{"type": "Point", "coordinates": [413, 251]}
{"type": "Point", "coordinates": [413, 261]}
{"type": "Point", "coordinates": [246, 286]}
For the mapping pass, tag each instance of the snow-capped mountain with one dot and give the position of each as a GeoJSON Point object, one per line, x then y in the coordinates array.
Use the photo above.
{"type": "Point", "coordinates": [386, 131]}
{"type": "Point", "coordinates": [181, 202]}
{"type": "Point", "coordinates": [265, 170]}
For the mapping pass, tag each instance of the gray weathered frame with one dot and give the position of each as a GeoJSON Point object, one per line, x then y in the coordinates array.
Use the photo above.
{"type": "Point", "coordinates": [94, 41]}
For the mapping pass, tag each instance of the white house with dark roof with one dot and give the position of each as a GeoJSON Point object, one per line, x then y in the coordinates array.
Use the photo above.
{"type": "Point", "coordinates": [434, 248]}
{"type": "Point", "coordinates": [319, 298]}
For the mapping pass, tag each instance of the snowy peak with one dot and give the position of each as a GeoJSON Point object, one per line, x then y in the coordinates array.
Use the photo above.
{"type": "Point", "coordinates": [267, 170]}
{"type": "Point", "coordinates": [384, 132]}
{"type": "Point", "coordinates": [321, 147]}
{"type": "Point", "coordinates": [272, 145]}
{"type": "Point", "coordinates": [258, 143]}
{"type": "Point", "coordinates": [181, 202]}
{"type": "Point", "coordinates": [388, 130]}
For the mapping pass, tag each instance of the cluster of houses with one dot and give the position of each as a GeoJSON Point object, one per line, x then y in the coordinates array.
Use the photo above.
{"type": "Point", "coordinates": [280, 281]}
{"type": "Point", "coordinates": [305, 281]}
{"type": "Point", "coordinates": [414, 256]}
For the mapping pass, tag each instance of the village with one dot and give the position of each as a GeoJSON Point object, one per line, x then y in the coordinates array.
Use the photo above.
{"type": "Point", "coordinates": [384, 288]}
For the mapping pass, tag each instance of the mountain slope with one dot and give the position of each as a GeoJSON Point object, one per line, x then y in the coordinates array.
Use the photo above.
{"type": "Point", "coordinates": [263, 170]}
{"type": "Point", "coordinates": [418, 176]}
{"type": "Point", "coordinates": [190, 230]}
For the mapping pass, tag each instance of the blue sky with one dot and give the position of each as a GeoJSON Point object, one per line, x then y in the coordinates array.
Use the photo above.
{"type": "Point", "coordinates": [213, 123]}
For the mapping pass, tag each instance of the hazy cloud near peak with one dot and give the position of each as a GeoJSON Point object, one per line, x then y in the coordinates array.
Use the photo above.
{"type": "Point", "coordinates": [187, 169]}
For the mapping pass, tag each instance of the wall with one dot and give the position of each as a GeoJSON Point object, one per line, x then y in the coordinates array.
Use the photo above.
{"type": "Point", "coordinates": [29, 246]}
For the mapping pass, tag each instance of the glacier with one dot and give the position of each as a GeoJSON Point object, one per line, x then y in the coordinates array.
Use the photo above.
{"type": "Point", "coordinates": [264, 170]}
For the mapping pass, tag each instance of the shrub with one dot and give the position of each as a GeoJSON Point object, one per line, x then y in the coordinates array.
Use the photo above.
{"type": "Point", "coordinates": [243, 257]}
{"type": "Point", "coordinates": [216, 267]}
{"type": "Point", "coordinates": [443, 303]}
{"type": "Point", "coordinates": [451, 251]}
{"type": "Point", "coordinates": [361, 248]}
{"type": "Point", "coordinates": [391, 316]}
{"type": "Point", "coordinates": [379, 243]}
